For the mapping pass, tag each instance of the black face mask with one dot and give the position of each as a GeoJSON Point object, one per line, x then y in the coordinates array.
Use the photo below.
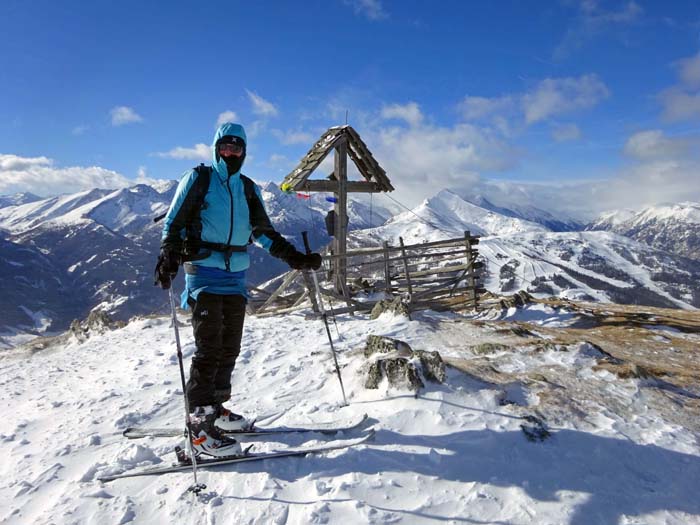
{"type": "Point", "coordinates": [233, 163]}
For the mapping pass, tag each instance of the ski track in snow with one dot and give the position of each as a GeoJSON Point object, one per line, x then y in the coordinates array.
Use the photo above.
{"type": "Point", "coordinates": [451, 455]}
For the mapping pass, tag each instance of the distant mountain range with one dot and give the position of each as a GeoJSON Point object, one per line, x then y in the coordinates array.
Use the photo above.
{"type": "Point", "coordinates": [521, 254]}
{"type": "Point", "coordinates": [63, 256]}
{"type": "Point", "coordinates": [673, 227]}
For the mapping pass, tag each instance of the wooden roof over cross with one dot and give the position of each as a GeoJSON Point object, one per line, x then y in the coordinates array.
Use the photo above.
{"type": "Point", "coordinates": [374, 175]}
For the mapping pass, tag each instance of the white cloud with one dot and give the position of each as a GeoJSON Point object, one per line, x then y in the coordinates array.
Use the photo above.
{"type": "Point", "coordinates": [254, 129]}
{"type": "Point", "coordinates": [682, 101]}
{"type": "Point", "coordinates": [549, 98]}
{"type": "Point", "coordinates": [143, 178]}
{"type": "Point", "coordinates": [421, 160]}
{"type": "Point", "coordinates": [280, 163]}
{"type": "Point", "coordinates": [556, 96]}
{"type": "Point", "coordinates": [474, 108]}
{"type": "Point", "coordinates": [593, 20]}
{"type": "Point", "coordinates": [121, 115]}
{"type": "Point", "coordinates": [40, 176]}
{"type": "Point", "coordinates": [197, 152]}
{"type": "Point", "coordinates": [566, 132]}
{"type": "Point", "coordinates": [261, 106]}
{"type": "Point", "coordinates": [652, 182]}
{"type": "Point", "coordinates": [371, 9]}
{"type": "Point", "coordinates": [679, 105]}
{"type": "Point", "coordinates": [294, 137]}
{"type": "Point", "coordinates": [664, 169]}
{"type": "Point", "coordinates": [689, 71]}
{"type": "Point", "coordinates": [226, 116]}
{"type": "Point", "coordinates": [80, 130]}
{"type": "Point", "coordinates": [653, 144]}
{"type": "Point", "coordinates": [410, 113]}
{"type": "Point", "coordinates": [17, 163]}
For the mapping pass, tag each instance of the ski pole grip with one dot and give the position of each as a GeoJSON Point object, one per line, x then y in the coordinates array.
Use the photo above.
{"type": "Point", "coordinates": [305, 236]}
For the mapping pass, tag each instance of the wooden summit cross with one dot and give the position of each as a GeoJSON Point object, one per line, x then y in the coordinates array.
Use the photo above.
{"type": "Point", "coordinates": [345, 141]}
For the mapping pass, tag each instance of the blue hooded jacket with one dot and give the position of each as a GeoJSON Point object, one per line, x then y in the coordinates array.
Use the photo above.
{"type": "Point", "coordinates": [226, 219]}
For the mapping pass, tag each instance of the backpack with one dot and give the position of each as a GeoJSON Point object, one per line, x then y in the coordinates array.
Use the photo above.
{"type": "Point", "coordinates": [193, 242]}
{"type": "Point", "coordinates": [201, 187]}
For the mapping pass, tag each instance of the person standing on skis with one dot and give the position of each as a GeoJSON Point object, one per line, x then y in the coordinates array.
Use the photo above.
{"type": "Point", "coordinates": [210, 237]}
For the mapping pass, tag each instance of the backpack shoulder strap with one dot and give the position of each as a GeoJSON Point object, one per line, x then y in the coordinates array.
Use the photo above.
{"type": "Point", "coordinates": [201, 187]}
{"type": "Point", "coordinates": [249, 189]}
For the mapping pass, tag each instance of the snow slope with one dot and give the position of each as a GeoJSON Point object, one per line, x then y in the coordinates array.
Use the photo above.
{"type": "Point", "coordinates": [17, 199]}
{"type": "Point", "coordinates": [454, 454]}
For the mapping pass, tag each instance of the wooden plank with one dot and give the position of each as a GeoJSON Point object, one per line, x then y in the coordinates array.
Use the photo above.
{"type": "Point", "coordinates": [460, 254]}
{"type": "Point", "coordinates": [454, 299]}
{"type": "Point", "coordinates": [302, 298]}
{"type": "Point", "coordinates": [334, 186]}
{"type": "Point", "coordinates": [279, 311]}
{"type": "Point", "coordinates": [405, 265]}
{"type": "Point", "coordinates": [444, 269]}
{"type": "Point", "coordinates": [438, 305]}
{"type": "Point", "coordinates": [287, 281]}
{"type": "Point", "coordinates": [258, 290]}
{"type": "Point", "coordinates": [352, 303]}
{"type": "Point", "coordinates": [377, 251]}
{"type": "Point", "coordinates": [471, 260]}
{"type": "Point", "coordinates": [380, 250]}
{"type": "Point", "coordinates": [387, 274]}
{"type": "Point", "coordinates": [311, 292]}
{"type": "Point", "coordinates": [341, 214]}
{"type": "Point", "coordinates": [442, 291]}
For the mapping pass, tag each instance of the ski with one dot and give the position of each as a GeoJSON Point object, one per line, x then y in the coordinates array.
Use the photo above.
{"type": "Point", "coordinates": [327, 427]}
{"type": "Point", "coordinates": [213, 462]}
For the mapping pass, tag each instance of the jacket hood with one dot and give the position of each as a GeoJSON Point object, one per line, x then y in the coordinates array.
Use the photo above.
{"type": "Point", "coordinates": [228, 128]}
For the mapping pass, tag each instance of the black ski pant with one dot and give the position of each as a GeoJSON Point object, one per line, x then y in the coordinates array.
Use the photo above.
{"type": "Point", "coordinates": [217, 321]}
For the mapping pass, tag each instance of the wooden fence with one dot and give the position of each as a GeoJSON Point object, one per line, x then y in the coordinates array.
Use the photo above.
{"type": "Point", "coordinates": [440, 274]}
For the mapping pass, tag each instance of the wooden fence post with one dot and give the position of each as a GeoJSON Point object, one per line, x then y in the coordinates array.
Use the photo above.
{"type": "Point", "coordinates": [311, 291]}
{"type": "Point", "coordinates": [470, 262]}
{"type": "Point", "coordinates": [387, 276]}
{"type": "Point", "coordinates": [405, 266]}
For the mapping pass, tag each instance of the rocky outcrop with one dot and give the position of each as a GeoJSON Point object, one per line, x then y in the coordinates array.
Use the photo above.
{"type": "Point", "coordinates": [97, 322]}
{"type": "Point", "coordinates": [396, 306]}
{"type": "Point", "coordinates": [402, 366]}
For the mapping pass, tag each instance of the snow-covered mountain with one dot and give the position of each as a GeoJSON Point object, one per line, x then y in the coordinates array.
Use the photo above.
{"type": "Point", "coordinates": [17, 199]}
{"type": "Point", "coordinates": [69, 254]}
{"type": "Point", "coordinates": [673, 227]}
{"type": "Point", "coordinates": [525, 255]}
{"type": "Point", "coordinates": [449, 215]}
{"type": "Point", "coordinates": [100, 247]}
{"type": "Point", "coordinates": [532, 202]}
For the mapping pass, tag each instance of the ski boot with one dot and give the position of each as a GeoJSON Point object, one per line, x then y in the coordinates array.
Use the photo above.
{"type": "Point", "coordinates": [228, 421]}
{"type": "Point", "coordinates": [207, 439]}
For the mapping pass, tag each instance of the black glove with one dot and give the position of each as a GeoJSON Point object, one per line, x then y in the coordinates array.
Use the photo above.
{"type": "Point", "coordinates": [166, 267]}
{"type": "Point", "coordinates": [301, 261]}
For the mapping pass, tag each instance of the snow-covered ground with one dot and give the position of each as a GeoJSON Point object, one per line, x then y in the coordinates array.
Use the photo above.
{"type": "Point", "coordinates": [453, 454]}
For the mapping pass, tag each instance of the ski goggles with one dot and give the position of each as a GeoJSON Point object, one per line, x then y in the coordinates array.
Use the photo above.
{"type": "Point", "coordinates": [230, 148]}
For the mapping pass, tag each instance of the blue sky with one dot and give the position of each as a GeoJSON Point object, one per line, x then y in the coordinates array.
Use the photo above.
{"type": "Point", "coordinates": [444, 93]}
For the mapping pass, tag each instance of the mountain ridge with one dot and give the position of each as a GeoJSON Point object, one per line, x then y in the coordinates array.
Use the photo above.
{"type": "Point", "coordinates": [100, 246]}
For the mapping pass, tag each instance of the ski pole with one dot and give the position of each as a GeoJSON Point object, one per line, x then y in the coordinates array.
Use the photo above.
{"type": "Point", "coordinates": [324, 316]}
{"type": "Point", "coordinates": [197, 487]}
